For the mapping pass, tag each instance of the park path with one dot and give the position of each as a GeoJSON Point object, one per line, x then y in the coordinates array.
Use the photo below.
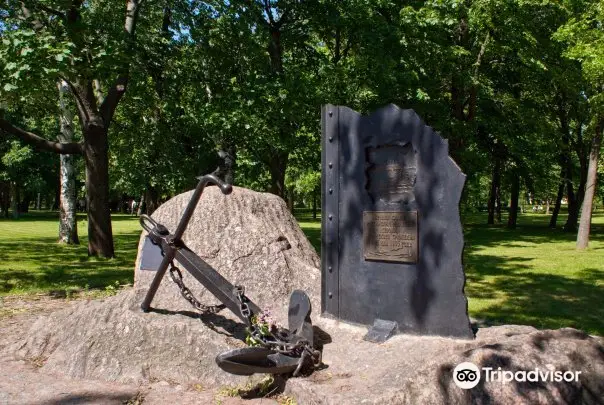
{"type": "Point", "coordinates": [22, 383]}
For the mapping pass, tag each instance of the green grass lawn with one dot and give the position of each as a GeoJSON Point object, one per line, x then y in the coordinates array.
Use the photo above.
{"type": "Point", "coordinates": [531, 275]}
{"type": "Point", "coordinates": [534, 275]}
{"type": "Point", "coordinates": [32, 261]}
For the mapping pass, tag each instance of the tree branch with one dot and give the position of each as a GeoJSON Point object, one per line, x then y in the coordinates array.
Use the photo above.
{"type": "Point", "coordinates": [51, 11]}
{"type": "Point", "coordinates": [483, 48]}
{"type": "Point", "coordinates": [114, 96]}
{"type": "Point", "coordinates": [267, 9]}
{"type": "Point", "coordinates": [72, 148]}
{"type": "Point", "coordinates": [98, 91]}
{"type": "Point", "coordinates": [82, 113]}
{"type": "Point", "coordinates": [284, 19]}
{"type": "Point", "coordinates": [27, 15]}
{"type": "Point", "coordinates": [117, 90]}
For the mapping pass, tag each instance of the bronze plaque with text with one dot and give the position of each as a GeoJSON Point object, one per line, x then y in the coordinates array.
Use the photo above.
{"type": "Point", "coordinates": [390, 236]}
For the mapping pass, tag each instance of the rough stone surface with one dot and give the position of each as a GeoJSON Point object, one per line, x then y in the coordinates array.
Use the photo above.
{"type": "Point", "coordinates": [113, 340]}
{"type": "Point", "coordinates": [417, 370]}
{"type": "Point", "coordinates": [22, 383]}
{"type": "Point", "coordinates": [249, 237]}
{"type": "Point", "coordinates": [404, 370]}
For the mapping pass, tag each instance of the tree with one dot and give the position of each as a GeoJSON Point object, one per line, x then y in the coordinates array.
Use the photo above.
{"type": "Point", "coordinates": [584, 34]}
{"type": "Point", "coordinates": [78, 44]}
{"type": "Point", "coordinates": [68, 222]}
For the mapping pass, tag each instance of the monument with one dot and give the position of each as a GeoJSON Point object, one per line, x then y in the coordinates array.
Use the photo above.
{"type": "Point", "coordinates": [392, 245]}
{"type": "Point", "coordinates": [392, 240]}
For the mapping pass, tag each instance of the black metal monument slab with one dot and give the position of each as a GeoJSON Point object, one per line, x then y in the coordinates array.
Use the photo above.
{"type": "Point", "coordinates": [391, 234]}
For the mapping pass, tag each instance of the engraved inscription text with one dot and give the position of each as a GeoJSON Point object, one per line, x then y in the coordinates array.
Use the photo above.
{"type": "Point", "coordinates": [390, 236]}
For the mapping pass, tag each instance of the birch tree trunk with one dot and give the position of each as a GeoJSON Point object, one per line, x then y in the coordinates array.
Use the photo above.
{"type": "Point", "coordinates": [68, 224]}
{"type": "Point", "coordinates": [590, 189]}
{"type": "Point", "coordinates": [515, 194]}
{"type": "Point", "coordinates": [139, 209]}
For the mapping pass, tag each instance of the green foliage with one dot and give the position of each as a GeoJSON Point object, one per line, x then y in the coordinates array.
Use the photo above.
{"type": "Point", "coordinates": [112, 289]}
{"type": "Point", "coordinates": [585, 35]}
{"type": "Point", "coordinates": [514, 82]}
{"type": "Point", "coordinates": [30, 170]}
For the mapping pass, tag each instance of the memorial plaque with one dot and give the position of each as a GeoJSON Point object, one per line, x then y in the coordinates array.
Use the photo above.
{"type": "Point", "coordinates": [390, 236]}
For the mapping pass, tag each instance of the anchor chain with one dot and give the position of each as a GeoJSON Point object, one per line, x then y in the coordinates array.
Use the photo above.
{"type": "Point", "coordinates": [277, 341]}
{"type": "Point", "coordinates": [280, 341]}
{"type": "Point", "coordinates": [176, 276]}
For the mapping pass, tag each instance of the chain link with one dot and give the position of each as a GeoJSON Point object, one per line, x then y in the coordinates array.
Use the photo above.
{"type": "Point", "coordinates": [176, 276]}
{"type": "Point", "coordinates": [300, 348]}
{"type": "Point", "coordinates": [282, 341]}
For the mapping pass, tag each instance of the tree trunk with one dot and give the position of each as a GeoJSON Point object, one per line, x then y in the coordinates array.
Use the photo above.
{"type": "Point", "coordinates": [577, 198]}
{"type": "Point", "coordinates": [494, 192]}
{"type": "Point", "coordinates": [4, 198]}
{"type": "Point", "coordinates": [566, 162]}
{"type": "Point", "coordinates": [25, 202]}
{"type": "Point", "coordinates": [68, 224]}
{"type": "Point", "coordinates": [15, 200]}
{"type": "Point", "coordinates": [573, 206]}
{"type": "Point", "coordinates": [151, 200]}
{"type": "Point", "coordinates": [291, 199]}
{"type": "Point", "coordinates": [314, 204]}
{"type": "Point", "coordinates": [498, 205]}
{"type": "Point", "coordinates": [100, 235]}
{"type": "Point", "coordinates": [277, 167]}
{"type": "Point", "coordinates": [583, 156]}
{"type": "Point", "coordinates": [515, 192]}
{"type": "Point", "coordinates": [590, 189]}
{"type": "Point", "coordinates": [558, 203]}
{"type": "Point", "coordinates": [141, 202]}
{"type": "Point", "coordinates": [57, 198]}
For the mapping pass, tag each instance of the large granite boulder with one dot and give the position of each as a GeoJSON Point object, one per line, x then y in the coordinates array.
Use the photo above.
{"type": "Point", "coordinates": [249, 237]}
{"type": "Point", "coordinates": [410, 369]}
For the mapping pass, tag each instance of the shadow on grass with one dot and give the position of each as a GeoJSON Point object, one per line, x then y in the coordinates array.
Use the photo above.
{"type": "Point", "coordinates": [311, 227]}
{"type": "Point", "coordinates": [531, 228]}
{"type": "Point", "coordinates": [546, 301]}
{"type": "Point", "coordinates": [41, 263]}
{"type": "Point", "coordinates": [314, 236]}
{"type": "Point", "coordinates": [511, 289]}
{"type": "Point", "coordinates": [53, 216]}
